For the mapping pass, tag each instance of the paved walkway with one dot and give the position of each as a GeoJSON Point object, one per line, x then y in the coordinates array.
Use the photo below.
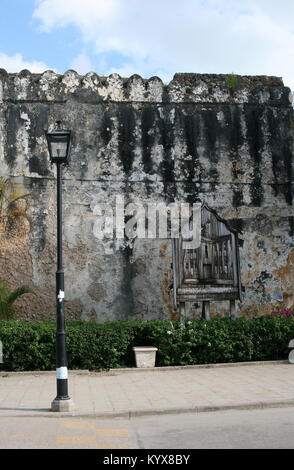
{"type": "Point", "coordinates": [133, 392]}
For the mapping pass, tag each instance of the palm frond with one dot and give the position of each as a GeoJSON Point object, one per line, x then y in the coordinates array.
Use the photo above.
{"type": "Point", "coordinates": [10, 209]}
{"type": "Point", "coordinates": [18, 292]}
{"type": "Point", "coordinates": [14, 199]}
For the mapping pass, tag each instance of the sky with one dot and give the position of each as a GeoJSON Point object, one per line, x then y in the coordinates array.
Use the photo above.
{"type": "Point", "coordinates": [149, 37]}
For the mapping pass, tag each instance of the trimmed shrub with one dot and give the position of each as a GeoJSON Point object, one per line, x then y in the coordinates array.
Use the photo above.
{"type": "Point", "coordinates": [29, 346]}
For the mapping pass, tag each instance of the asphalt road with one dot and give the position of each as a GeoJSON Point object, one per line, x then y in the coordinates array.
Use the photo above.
{"type": "Point", "coordinates": [248, 429]}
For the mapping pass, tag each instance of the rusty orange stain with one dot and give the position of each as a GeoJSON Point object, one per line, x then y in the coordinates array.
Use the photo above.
{"type": "Point", "coordinates": [174, 316]}
{"type": "Point", "coordinates": [285, 274]}
{"type": "Point", "coordinates": [163, 249]}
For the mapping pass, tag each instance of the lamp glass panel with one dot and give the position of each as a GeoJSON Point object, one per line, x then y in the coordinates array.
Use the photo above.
{"type": "Point", "coordinates": [59, 147]}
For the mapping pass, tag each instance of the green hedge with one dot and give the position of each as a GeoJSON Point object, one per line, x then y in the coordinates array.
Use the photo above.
{"type": "Point", "coordinates": [29, 346]}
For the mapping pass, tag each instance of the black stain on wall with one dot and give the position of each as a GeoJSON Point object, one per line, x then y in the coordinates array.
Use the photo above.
{"type": "Point", "coordinates": [147, 122]}
{"type": "Point", "coordinates": [211, 132]}
{"type": "Point", "coordinates": [37, 123]}
{"type": "Point", "coordinates": [281, 141]}
{"type": "Point", "coordinates": [39, 164]}
{"type": "Point", "coordinates": [255, 138]}
{"type": "Point", "coordinates": [192, 136]}
{"type": "Point", "coordinates": [14, 123]}
{"type": "Point", "coordinates": [237, 138]}
{"type": "Point", "coordinates": [126, 137]}
{"type": "Point", "coordinates": [167, 167]}
{"type": "Point", "coordinates": [191, 167]}
{"type": "Point", "coordinates": [291, 226]}
{"type": "Point", "coordinates": [237, 196]}
{"type": "Point", "coordinates": [236, 142]}
{"type": "Point", "coordinates": [106, 128]}
{"type": "Point", "coordinates": [127, 302]}
{"type": "Point", "coordinates": [38, 189]}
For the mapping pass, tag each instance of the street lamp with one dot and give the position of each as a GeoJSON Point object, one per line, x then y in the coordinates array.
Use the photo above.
{"type": "Point", "coordinates": [59, 147]}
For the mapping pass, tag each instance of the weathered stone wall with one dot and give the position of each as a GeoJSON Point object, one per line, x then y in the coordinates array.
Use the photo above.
{"type": "Point", "coordinates": [192, 140]}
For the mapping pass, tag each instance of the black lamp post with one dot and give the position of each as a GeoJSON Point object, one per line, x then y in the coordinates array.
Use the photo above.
{"type": "Point", "coordinates": [59, 148]}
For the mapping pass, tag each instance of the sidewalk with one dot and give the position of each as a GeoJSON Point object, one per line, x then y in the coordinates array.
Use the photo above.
{"type": "Point", "coordinates": [135, 392]}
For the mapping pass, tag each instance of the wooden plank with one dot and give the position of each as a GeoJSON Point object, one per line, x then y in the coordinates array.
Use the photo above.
{"type": "Point", "coordinates": [235, 274]}
{"type": "Point", "coordinates": [232, 309]}
{"type": "Point", "coordinates": [207, 289]}
{"type": "Point", "coordinates": [208, 297]}
{"type": "Point", "coordinates": [238, 267]}
{"type": "Point", "coordinates": [182, 311]}
{"type": "Point", "coordinates": [181, 255]}
{"type": "Point", "coordinates": [175, 272]}
{"type": "Point", "coordinates": [206, 310]}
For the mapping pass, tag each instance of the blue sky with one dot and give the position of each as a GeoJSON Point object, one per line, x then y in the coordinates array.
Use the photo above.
{"type": "Point", "coordinates": [154, 37]}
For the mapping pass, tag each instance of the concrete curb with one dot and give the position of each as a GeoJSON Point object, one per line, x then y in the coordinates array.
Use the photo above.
{"type": "Point", "coordinates": [149, 369]}
{"type": "Point", "coordinates": [37, 373]}
{"type": "Point", "coordinates": [154, 412]}
{"type": "Point", "coordinates": [199, 366]}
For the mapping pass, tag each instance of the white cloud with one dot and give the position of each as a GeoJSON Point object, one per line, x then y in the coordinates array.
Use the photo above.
{"type": "Point", "coordinates": [82, 64]}
{"type": "Point", "coordinates": [167, 36]}
{"type": "Point", "coordinates": [87, 14]}
{"type": "Point", "coordinates": [16, 63]}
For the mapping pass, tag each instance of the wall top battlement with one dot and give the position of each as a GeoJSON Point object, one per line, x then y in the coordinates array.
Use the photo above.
{"type": "Point", "coordinates": [183, 88]}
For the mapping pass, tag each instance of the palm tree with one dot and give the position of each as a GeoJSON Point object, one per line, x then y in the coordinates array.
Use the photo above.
{"type": "Point", "coordinates": [8, 297]}
{"type": "Point", "coordinates": [11, 211]}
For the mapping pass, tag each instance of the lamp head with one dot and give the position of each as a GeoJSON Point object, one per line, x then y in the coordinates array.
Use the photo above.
{"type": "Point", "coordinates": [59, 144]}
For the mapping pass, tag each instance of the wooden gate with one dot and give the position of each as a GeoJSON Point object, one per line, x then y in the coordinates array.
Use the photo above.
{"type": "Point", "coordinates": [210, 272]}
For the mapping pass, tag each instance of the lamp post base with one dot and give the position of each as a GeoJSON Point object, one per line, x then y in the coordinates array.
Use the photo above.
{"type": "Point", "coordinates": [62, 405]}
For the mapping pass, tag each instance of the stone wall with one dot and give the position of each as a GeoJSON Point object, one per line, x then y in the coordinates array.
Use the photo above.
{"type": "Point", "coordinates": [195, 139]}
